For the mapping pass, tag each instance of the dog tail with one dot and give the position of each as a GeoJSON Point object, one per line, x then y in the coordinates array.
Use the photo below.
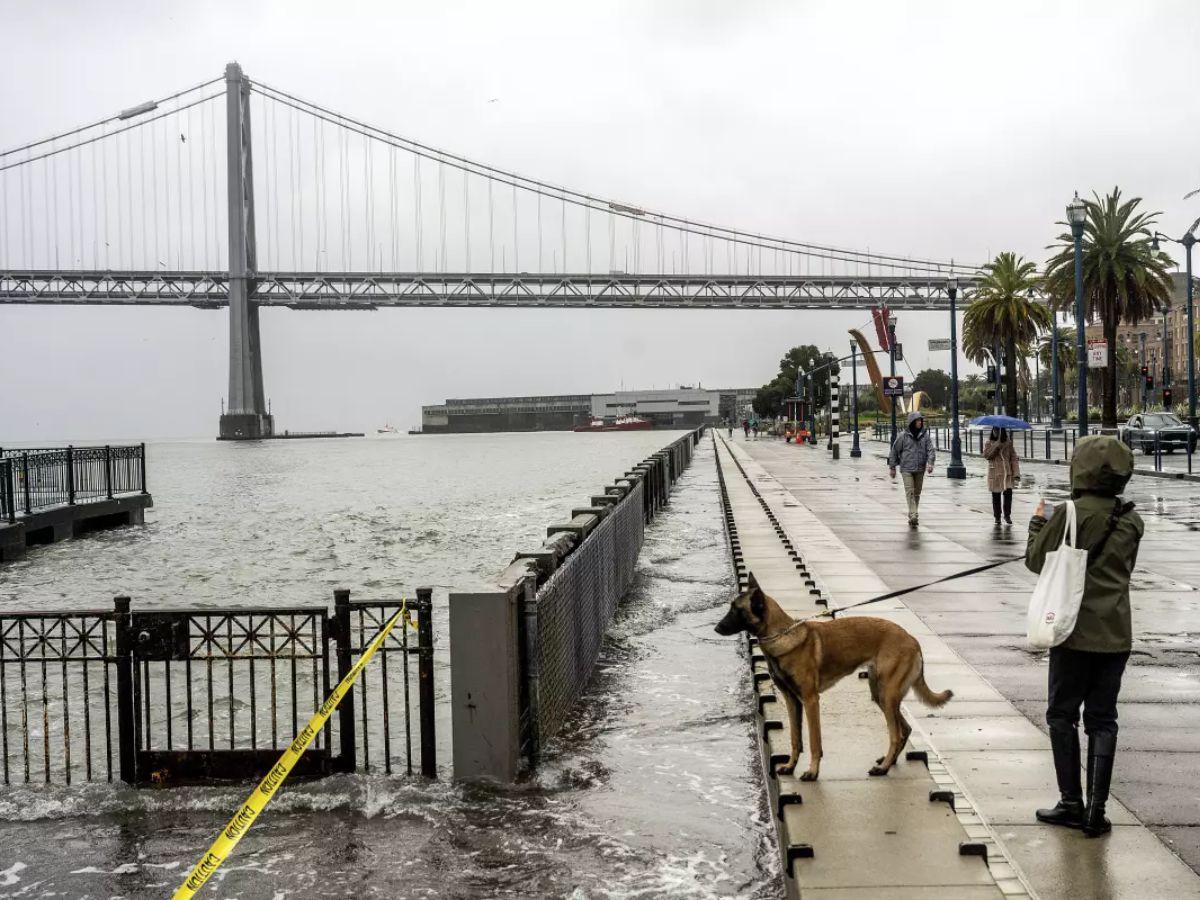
{"type": "Point", "coordinates": [928, 697]}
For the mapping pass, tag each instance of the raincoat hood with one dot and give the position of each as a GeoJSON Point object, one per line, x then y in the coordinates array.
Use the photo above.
{"type": "Point", "coordinates": [912, 417]}
{"type": "Point", "coordinates": [1101, 465]}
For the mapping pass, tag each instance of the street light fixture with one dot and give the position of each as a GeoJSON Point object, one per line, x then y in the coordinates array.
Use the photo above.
{"type": "Point", "coordinates": [1076, 217]}
{"type": "Point", "coordinates": [956, 469]}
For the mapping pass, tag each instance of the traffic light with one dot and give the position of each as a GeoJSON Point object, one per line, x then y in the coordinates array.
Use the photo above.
{"type": "Point", "coordinates": [1145, 371]}
{"type": "Point", "coordinates": [1166, 398]}
{"type": "Point", "coordinates": [1149, 382]}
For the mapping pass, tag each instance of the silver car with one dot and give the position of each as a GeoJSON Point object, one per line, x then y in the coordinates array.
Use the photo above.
{"type": "Point", "coordinates": [1140, 431]}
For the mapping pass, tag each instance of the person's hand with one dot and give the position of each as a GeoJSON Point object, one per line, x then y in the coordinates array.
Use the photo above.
{"type": "Point", "coordinates": [892, 469]}
{"type": "Point", "coordinates": [1041, 508]}
{"type": "Point", "coordinates": [929, 470]}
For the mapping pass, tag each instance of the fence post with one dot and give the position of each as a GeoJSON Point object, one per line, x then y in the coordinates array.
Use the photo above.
{"type": "Point", "coordinates": [142, 467]}
{"type": "Point", "coordinates": [25, 480]}
{"type": "Point", "coordinates": [1047, 443]}
{"type": "Point", "coordinates": [108, 471]}
{"type": "Point", "coordinates": [70, 476]}
{"type": "Point", "coordinates": [425, 683]}
{"type": "Point", "coordinates": [126, 705]}
{"type": "Point", "coordinates": [347, 760]}
{"type": "Point", "coordinates": [484, 686]}
{"type": "Point", "coordinates": [9, 493]}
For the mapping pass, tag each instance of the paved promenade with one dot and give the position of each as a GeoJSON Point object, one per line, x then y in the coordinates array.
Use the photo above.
{"type": "Point", "coordinates": [847, 520]}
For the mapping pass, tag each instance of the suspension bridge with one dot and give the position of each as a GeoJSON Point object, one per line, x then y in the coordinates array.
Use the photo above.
{"type": "Point", "coordinates": [313, 209]}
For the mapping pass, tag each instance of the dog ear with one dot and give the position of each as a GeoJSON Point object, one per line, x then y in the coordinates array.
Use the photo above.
{"type": "Point", "coordinates": [758, 600]}
{"type": "Point", "coordinates": [752, 583]}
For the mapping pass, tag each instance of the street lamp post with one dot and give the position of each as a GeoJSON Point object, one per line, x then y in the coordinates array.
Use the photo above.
{"type": "Point", "coordinates": [1076, 216]}
{"type": "Point", "coordinates": [892, 364]}
{"type": "Point", "coordinates": [855, 450]}
{"type": "Point", "coordinates": [956, 469]}
{"type": "Point", "coordinates": [1055, 406]}
{"type": "Point", "coordinates": [1188, 241]}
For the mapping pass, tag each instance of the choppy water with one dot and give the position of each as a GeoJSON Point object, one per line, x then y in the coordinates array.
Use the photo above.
{"type": "Point", "coordinates": [650, 791]}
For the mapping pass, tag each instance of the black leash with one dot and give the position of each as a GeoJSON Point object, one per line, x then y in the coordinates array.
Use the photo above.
{"type": "Point", "coordinates": [832, 613]}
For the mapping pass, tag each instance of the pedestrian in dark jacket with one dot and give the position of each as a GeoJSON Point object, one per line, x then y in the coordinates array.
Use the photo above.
{"type": "Point", "coordinates": [1086, 669]}
{"type": "Point", "coordinates": [1004, 471]}
{"type": "Point", "coordinates": [913, 455]}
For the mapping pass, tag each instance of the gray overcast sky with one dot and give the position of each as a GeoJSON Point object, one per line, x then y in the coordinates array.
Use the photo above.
{"type": "Point", "coordinates": [936, 129]}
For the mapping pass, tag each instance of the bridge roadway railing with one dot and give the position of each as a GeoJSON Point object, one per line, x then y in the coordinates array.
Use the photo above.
{"type": "Point", "coordinates": [523, 653]}
{"type": "Point", "coordinates": [373, 290]}
{"type": "Point", "coordinates": [35, 479]}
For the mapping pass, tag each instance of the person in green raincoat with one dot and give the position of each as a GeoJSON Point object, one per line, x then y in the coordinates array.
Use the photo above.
{"type": "Point", "coordinates": [1086, 669]}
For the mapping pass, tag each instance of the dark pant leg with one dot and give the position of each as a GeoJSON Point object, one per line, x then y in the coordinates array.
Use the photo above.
{"type": "Point", "coordinates": [1068, 688]}
{"type": "Point", "coordinates": [1103, 686]}
{"type": "Point", "coordinates": [995, 504]}
{"type": "Point", "coordinates": [1008, 503]}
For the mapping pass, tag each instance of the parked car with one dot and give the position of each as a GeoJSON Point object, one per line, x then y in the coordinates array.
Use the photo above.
{"type": "Point", "coordinates": [1140, 431]}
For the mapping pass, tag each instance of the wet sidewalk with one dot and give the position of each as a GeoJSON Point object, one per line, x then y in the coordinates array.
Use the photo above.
{"type": "Point", "coordinates": [847, 519]}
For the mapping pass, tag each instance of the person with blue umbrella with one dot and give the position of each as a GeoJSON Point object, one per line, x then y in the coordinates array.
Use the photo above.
{"type": "Point", "coordinates": [1004, 464]}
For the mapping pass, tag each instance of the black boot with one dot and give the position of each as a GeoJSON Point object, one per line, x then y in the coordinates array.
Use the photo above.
{"type": "Point", "coordinates": [1064, 744]}
{"type": "Point", "coordinates": [1102, 750]}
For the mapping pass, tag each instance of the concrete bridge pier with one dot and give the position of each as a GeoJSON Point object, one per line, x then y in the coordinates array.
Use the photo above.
{"type": "Point", "coordinates": [246, 417]}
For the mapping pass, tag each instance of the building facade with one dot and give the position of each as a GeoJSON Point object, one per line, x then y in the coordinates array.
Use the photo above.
{"type": "Point", "coordinates": [679, 408]}
{"type": "Point", "coordinates": [1160, 343]}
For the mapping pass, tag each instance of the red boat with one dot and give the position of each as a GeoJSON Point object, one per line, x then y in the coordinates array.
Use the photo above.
{"type": "Point", "coordinates": [620, 423]}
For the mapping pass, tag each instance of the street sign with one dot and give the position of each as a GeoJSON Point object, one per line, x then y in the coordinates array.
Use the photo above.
{"type": "Point", "coordinates": [1097, 354]}
{"type": "Point", "coordinates": [893, 386]}
{"type": "Point", "coordinates": [939, 343]}
{"type": "Point", "coordinates": [899, 351]}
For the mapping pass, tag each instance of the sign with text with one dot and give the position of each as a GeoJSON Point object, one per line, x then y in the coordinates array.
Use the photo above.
{"type": "Point", "coordinates": [939, 343]}
{"type": "Point", "coordinates": [1097, 354]}
{"type": "Point", "coordinates": [893, 386]}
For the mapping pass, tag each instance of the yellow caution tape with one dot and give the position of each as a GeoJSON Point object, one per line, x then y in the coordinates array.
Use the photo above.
{"type": "Point", "coordinates": [261, 795]}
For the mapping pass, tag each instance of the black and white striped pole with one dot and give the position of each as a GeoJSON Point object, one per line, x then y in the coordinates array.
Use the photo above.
{"type": "Point", "coordinates": [835, 399]}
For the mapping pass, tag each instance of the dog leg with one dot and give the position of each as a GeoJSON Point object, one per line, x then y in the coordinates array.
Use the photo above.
{"type": "Point", "coordinates": [795, 718]}
{"type": "Point", "coordinates": [812, 708]}
{"type": "Point", "coordinates": [891, 712]}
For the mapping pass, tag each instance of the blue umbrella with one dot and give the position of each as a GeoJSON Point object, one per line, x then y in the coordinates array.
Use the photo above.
{"type": "Point", "coordinates": [1009, 422]}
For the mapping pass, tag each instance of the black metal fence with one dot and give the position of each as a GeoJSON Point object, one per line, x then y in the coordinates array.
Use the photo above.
{"type": "Point", "coordinates": [184, 696]}
{"type": "Point", "coordinates": [41, 478]}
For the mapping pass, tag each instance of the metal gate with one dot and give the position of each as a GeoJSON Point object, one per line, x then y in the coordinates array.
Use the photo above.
{"type": "Point", "coordinates": [186, 696]}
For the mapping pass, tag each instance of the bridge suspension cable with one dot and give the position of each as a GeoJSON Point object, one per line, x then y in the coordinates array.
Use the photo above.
{"type": "Point", "coordinates": [144, 191]}
{"type": "Point", "coordinates": [784, 249]}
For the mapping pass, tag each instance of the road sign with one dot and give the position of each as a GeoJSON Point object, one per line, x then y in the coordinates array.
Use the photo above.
{"type": "Point", "coordinates": [899, 351]}
{"type": "Point", "coordinates": [1097, 354]}
{"type": "Point", "coordinates": [939, 343]}
{"type": "Point", "coordinates": [893, 386]}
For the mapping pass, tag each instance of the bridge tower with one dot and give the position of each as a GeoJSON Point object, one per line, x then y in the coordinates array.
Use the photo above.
{"type": "Point", "coordinates": [245, 417]}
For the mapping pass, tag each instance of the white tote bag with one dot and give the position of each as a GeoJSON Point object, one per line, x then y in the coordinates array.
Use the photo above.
{"type": "Point", "coordinates": [1054, 606]}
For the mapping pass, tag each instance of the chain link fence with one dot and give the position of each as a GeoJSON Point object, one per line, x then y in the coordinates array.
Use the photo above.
{"type": "Point", "coordinates": [573, 609]}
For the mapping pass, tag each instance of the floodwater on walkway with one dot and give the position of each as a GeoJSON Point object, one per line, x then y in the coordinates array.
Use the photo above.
{"type": "Point", "coordinates": [651, 790]}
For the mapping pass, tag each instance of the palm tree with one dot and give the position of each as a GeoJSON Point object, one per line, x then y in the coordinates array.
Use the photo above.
{"type": "Point", "coordinates": [1003, 313]}
{"type": "Point", "coordinates": [1124, 280]}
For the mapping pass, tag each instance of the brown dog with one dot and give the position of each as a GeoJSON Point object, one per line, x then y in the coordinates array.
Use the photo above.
{"type": "Point", "coordinates": [808, 657]}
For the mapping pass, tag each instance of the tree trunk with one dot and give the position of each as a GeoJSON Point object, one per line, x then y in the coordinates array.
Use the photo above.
{"type": "Point", "coordinates": [1010, 377]}
{"type": "Point", "coordinates": [1109, 413]}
